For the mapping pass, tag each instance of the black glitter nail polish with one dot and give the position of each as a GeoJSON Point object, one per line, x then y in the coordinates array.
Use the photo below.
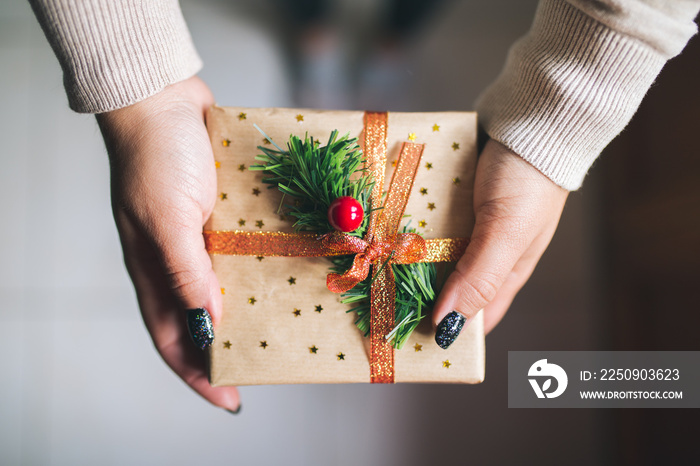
{"type": "Point", "coordinates": [236, 411]}
{"type": "Point", "coordinates": [448, 330]}
{"type": "Point", "coordinates": [200, 327]}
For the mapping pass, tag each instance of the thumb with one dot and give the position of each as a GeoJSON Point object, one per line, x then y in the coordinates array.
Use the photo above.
{"type": "Point", "coordinates": [168, 262]}
{"type": "Point", "coordinates": [192, 280]}
{"type": "Point", "coordinates": [491, 255]}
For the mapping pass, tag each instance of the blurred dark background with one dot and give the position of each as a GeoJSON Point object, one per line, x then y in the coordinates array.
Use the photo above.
{"type": "Point", "coordinates": [82, 385]}
{"type": "Point", "coordinates": [649, 182]}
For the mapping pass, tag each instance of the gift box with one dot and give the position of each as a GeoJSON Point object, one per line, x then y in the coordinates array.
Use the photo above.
{"type": "Point", "coordinates": [281, 324]}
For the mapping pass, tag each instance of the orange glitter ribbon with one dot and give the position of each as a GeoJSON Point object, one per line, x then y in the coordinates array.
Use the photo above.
{"type": "Point", "coordinates": [382, 226]}
{"type": "Point", "coordinates": [382, 243]}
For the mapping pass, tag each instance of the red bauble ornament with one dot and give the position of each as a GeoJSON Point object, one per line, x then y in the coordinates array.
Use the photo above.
{"type": "Point", "coordinates": [345, 214]}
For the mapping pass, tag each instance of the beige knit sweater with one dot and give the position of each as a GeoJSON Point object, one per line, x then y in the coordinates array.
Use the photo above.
{"type": "Point", "coordinates": [567, 89]}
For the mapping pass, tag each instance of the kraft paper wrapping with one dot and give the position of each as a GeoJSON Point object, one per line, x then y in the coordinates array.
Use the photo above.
{"type": "Point", "coordinates": [281, 324]}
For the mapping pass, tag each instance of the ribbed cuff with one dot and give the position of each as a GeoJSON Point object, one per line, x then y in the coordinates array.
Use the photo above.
{"type": "Point", "coordinates": [568, 88]}
{"type": "Point", "coordinates": [116, 53]}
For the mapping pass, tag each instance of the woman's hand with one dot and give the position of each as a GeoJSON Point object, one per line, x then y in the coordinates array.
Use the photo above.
{"type": "Point", "coordinates": [517, 210]}
{"type": "Point", "coordinates": [163, 191]}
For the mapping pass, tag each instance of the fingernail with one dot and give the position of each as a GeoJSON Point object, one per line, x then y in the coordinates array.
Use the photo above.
{"type": "Point", "coordinates": [200, 327]}
{"type": "Point", "coordinates": [448, 330]}
{"type": "Point", "coordinates": [236, 411]}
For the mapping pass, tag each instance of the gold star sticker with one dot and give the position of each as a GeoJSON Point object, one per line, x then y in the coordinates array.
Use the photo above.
{"type": "Point", "coordinates": [256, 192]}
{"type": "Point", "coordinates": [227, 344]}
{"type": "Point", "coordinates": [300, 118]}
{"type": "Point", "coordinates": [422, 223]}
{"type": "Point", "coordinates": [241, 167]}
{"type": "Point", "coordinates": [313, 349]}
{"type": "Point", "coordinates": [266, 141]}
{"type": "Point", "coordinates": [393, 163]}
{"type": "Point", "coordinates": [241, 222]}
{"type": "Point", "coordinates": [217, 164]}
{"type": "Point", "coordinates": [260, 224]}
{"type": "Point", "coordinates": [223, 196]}
{"type": "Point", "coordinates": [223, 290]}
{"type": "Point", "coordinates": [418, 347]}
{"type": "Point", "coordinates": [226, 142]}
{"type": "Point", "coordinates": [455, 146]}
{"type": "Point", "coordinates": [263, 344]}
{"type": "Point", "coordinates": [424, 191]}
{"type": "Point", "coordinates": [341, 357]}
{"type": "Point", "coordinates": [297, 312]}
{"type": "Point", "coordinates": [292, 280]}
{"type": "Point", "coordinates": [412, 137]}
{"type": "Point", "coordinates": [456, 180]}
{"type": "Point", "coordinates": [446, 363]}
{"type": "Point", "coordinates": [242, 116]}
{"type": "Point", "coordinates": [431, 206]}
{"type": "Point", "coordinates": [436, 127]}
{"type": "Point", "coordinates": [428, 165]}
{"type": "Point", "coordinates": [260, 258]}
{"type": "Point", "coordinates": [319, 308]}
{"type": "Point", "coordinates": [252, 300]}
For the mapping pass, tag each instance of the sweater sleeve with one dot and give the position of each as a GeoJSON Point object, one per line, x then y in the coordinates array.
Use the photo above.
{"type": "Point", "coordinates": [573, 82]}
{"type": "Point", "coordinates": [116, 53]}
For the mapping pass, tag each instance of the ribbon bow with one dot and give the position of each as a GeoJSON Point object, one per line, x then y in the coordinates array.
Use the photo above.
{"type": "Point", "coordinates": [402, 248]}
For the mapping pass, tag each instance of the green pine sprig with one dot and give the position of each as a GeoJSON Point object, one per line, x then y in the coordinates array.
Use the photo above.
{"type": "Point", "coordinates": [313, 176]}
{"type": "Point", "coordinates": [310, 177]}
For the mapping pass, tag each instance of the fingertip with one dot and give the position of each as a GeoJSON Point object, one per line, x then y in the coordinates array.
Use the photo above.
{"type": "Point", "coordinates": [190, 365]}
{"type": "Point", "coordinates": [226, 398]}
{"type": "Point", "coordinates": [237, 410]}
